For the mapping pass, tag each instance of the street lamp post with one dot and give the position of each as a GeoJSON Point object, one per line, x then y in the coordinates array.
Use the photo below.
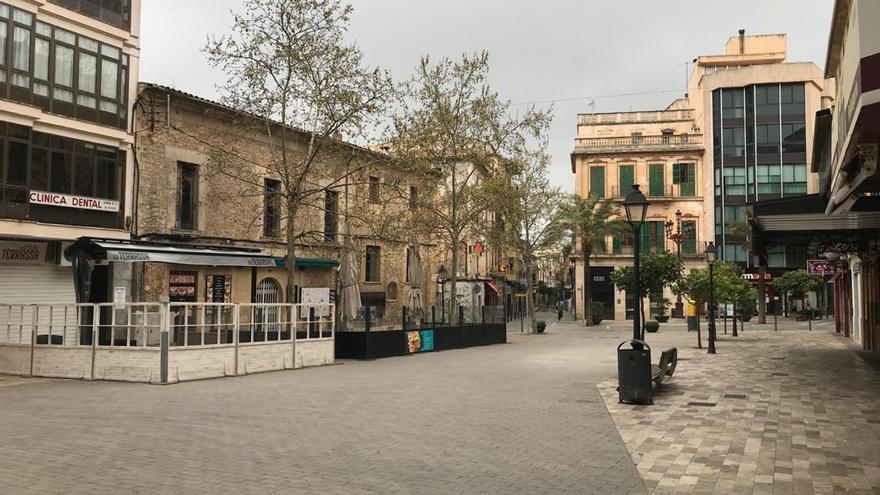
{"type": "Point", "coordinates": [636, 206]}
{"type": "Point", "coordinates": [673, 233]}
{"type": "Point", "coordinates": [711, 256]}
{"type": "Point", "coordinates": [441, 281]}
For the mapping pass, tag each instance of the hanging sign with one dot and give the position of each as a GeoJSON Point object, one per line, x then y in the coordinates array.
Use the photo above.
{"type": "Point", "coordinates": [821, 267]}
{"type": "Point", "coordinates": [71, 201]}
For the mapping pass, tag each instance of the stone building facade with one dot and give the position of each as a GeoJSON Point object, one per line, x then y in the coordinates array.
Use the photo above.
{"type": "Point", "coordinates": [202, 182]}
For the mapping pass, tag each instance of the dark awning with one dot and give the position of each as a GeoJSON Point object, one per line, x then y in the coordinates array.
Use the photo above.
{"type": "Point", "coordinates": [160, 252]}
{"type": "Point", "coordinates": [315, 263]}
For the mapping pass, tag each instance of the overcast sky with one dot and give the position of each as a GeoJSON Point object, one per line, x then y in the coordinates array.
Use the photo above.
{"type": "Point", "coordinates": [561, 50]}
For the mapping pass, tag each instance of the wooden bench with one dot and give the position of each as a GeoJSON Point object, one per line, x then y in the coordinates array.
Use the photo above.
{"type": "Point", "coordinates": [662, 371]}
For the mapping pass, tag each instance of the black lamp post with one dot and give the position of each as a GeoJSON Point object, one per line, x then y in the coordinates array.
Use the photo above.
{"type": "Point", "coordinates": [674, 234]}
{"type": "Point", "coordinates": [441, 281]}
{"type": "Point", "coordinates": [636, 206]}
{"type": "Point", "coordinates": [711, 256]}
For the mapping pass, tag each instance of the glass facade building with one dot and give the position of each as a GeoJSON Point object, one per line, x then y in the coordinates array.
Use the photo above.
{"type": "Point", "coordinates": [760, 153]}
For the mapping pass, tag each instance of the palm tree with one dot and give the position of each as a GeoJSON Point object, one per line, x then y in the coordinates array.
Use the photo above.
{"type": "Point", "coordinates": [590, 220]}
{"type": "Point", "coordinates": [744, 229]}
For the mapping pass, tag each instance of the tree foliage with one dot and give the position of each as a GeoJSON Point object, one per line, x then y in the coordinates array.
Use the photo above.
{"type": "Point", "coordinates": [590, 221]}
{"type": "Point", "coordinates": [302, 86]}
{"type": "Point", "coordinates": [657, 269]}
{"type": "Point", "coordinates": [457, 134]}
{"type": "Point", "coordinates": [797, 283]}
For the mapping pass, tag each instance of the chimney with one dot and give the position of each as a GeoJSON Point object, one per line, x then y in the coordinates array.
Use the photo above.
{"type": "Point", "coordinates": [742, 41]}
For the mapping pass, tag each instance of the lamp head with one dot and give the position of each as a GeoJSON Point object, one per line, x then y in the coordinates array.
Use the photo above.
{"type": "Point", "coordinates": [636, 206]}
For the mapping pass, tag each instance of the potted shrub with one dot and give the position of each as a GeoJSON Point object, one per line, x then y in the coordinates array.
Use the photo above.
{"type": "Point", "coordinates": [598, 312]}
{"type": "Point", "coordinates": [541, 325]}
{"type": "Point", "coordinates": [652, 326]}
{"type": "Point", "coordinates": [662, 306]}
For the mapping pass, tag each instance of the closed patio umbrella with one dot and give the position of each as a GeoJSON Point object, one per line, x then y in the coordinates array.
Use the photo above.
{"type": "Point", "coordinates": [414, 275]}
{"type": "Point", "coordinates": [348, 271]}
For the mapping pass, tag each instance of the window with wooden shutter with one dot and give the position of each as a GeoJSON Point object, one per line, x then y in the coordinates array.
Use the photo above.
{"type": "Point", "coordinates": [626, 179]}
{"type": "Point", "coordinates": [655, 180]}
{"type": "Point", "coordinates": [597, 181]}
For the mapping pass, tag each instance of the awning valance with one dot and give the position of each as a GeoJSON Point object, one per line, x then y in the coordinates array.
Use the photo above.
{"type": "Point", "coordinates": [315, 263]}
{"type": "Point", "coordinates": [158, 252]}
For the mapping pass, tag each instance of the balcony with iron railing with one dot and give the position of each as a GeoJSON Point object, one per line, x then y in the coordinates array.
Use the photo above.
{"type": "Point", "coordinates": [672, 192]}
{"type": "Point", "coordinates": [635, 117]}
{"type": "Point", "coordinates": [638, 143]}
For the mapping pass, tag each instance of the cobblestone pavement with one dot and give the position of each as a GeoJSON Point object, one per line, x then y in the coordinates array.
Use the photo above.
{"type": "Point", "coordinates": [525, 417]}
{"type": "Point", "coordinates": [787, 412]}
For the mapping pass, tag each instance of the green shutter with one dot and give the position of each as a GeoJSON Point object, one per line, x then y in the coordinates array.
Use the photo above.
{"type": "Point", "coordinates": [676, 173]}
{"type": "Point", "coordinates": [689, 185]}
{"type": "Point", "coordinates": [661, 236]}
{"type": "Point", "coordinates": [689, 235]}
{"type": "Point", "coordinates": [646, 237]}
{"type": "Point", "coordinates": [597, 181]}
{"type": "Point", "coordinates": [616, 248]}
{"type": "Point", "coordinates": [655, 180]}
{"type": "Point", "coordinates": [627, 179]}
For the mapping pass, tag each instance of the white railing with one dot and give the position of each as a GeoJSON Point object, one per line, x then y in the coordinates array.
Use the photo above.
{"type": "Point", "coordinates": [140, 325]}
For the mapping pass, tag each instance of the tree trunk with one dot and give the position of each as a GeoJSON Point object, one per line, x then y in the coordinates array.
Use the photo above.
{"type": "Point", "coordinates": [453, 282]}
{"type": "Point", "coordinates": [290, 259]}
{"type": "Point", "coordinates": [530, 306]}
{"type": "Point", "coordinates": [588, 295]}
{"type": "Point", "coordinates": [641, 302]}
{"type": "Point", "coordinates": [762, 294]}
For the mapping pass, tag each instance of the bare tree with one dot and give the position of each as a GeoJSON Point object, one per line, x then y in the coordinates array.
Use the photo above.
{"type": "Point", "coordinates": [531, 217]}
{"type": "Point", "coordinates": [289, 66]}
{"type": "Point", "coordinates": [454, 132]}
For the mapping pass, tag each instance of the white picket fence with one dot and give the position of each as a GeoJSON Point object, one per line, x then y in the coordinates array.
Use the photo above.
{"type": "Point", "coordinates": [163, 342]}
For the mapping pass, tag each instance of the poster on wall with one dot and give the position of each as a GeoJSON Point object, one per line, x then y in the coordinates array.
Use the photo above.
{"type": "Point", "coordinates": [218, 289]}
{"type": "Point", "coordinates": [317, 298]}
{"type": "Point", "coordinates": [182, 286]}
{"type": "Point", "coordinates": [420, 341]}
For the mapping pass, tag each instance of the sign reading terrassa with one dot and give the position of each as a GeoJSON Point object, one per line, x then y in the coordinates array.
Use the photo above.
{"type": "Point", "coordinates": [71, 201]}
{"type": "Point", "coordinates": [21, 253]}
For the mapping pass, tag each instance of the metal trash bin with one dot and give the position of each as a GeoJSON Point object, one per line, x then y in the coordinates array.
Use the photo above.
{"type": "Point", "coordinates": [693, 323]}
{"type": "Point", "coordinates": [634, 373]}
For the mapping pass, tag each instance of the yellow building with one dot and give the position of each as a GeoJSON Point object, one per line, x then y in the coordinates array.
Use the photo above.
{"type": "Point", "coordinates": [742, 133]}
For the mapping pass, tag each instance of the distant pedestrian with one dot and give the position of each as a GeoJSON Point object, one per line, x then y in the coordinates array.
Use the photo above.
{"type": "Point", "coordinates": [559, 312]}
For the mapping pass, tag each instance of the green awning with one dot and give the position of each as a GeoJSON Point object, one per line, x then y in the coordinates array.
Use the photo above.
{"type": "Point", "coordinates": [310, 263]}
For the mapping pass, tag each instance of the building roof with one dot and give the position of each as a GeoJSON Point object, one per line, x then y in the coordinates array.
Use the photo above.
{"type": "Point", "coordinates": [142, 86]}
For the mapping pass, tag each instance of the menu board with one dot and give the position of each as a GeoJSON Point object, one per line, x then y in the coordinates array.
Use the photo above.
{"type": "Point", "coordinates": [182, 286]}
{"type": "Point", "coordinates": [218, 288]}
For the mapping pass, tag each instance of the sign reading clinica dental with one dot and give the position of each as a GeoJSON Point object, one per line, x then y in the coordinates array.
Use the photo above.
{"type": "Point", "coordinates": [71, 201]}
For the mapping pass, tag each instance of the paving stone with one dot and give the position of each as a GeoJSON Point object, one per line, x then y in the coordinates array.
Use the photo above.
{"type": "Point", "coordinates": [809, 422]}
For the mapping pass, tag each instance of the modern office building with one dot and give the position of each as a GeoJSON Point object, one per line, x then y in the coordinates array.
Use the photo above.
{"type": "Point", "coordinates": [68, 72]}
{"type": "Point", "coordinates": [757, 111]}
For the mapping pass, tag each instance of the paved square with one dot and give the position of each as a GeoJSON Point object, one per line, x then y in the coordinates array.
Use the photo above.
{"type": "Point", "coordinates": [525, 417]}
{"type": "Point", "coordinates": [792, 412]}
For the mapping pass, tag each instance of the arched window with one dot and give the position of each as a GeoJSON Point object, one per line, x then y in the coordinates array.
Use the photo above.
{"type": "Point", "coordinates": [266, 311]}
